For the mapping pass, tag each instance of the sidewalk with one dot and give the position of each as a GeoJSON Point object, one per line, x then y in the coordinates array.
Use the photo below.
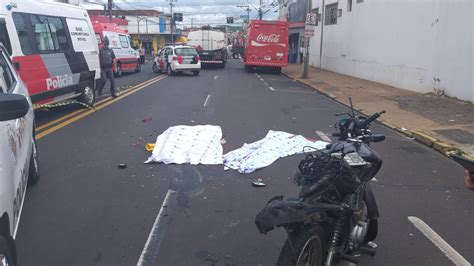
{"type": "Point", "coordinates": [440, 122]}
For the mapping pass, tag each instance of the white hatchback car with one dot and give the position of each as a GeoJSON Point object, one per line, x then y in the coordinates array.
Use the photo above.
{"type": "Point", "coordinates": [177, 58]}
{"type": "Point", "coordinates": [19, 165]}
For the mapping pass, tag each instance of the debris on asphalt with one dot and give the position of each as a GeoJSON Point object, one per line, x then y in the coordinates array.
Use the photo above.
{"type": "Point", "coordinates": [258, 183]}
{"type": "Point", "coordinates": [189, 144]}
{"type": "Point", "coordinates": [192, 121]}
{"type": "Point", "coordinates": [122, 166]}
{"type": "Point", "coordinates": [262, 153]}
{"type": "Point", "coordinates": [149, 147]}
{"type": "Point", "coordinates": [372, 244]}
{"type": "Point", "coordinates": [148, 119]}
{"type": "Point", "coordinates": [223, 141]}
{"type": "Point", "coordinates": [404, 129]}
{"type": "Point", "coordinates": [226, 168]}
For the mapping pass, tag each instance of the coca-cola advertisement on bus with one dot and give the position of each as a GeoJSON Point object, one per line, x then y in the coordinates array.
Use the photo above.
{"type": "Point", "coordinates": [265, 39]}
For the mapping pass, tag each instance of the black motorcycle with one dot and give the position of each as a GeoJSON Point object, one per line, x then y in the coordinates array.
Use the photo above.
{"type": "Point", "coordinates": [335, 217]}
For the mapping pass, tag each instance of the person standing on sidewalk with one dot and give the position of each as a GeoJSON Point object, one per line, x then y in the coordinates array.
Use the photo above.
{"type": "Point", "coordinates": [106, 57]}
{"type": "Point", "coordinates": [141, 51]}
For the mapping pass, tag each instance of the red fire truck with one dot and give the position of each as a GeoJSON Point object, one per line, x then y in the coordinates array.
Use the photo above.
{"type": "Point", "coordinates": [266, 45]}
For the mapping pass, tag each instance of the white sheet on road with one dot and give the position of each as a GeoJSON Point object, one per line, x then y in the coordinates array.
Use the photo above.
{"type": "Point", "coordinates": [189, 144]}
{"type": "Point", "coordinates": [262, 153]}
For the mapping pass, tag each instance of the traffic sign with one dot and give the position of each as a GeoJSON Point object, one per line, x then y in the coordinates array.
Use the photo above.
{"type": "Point", "coordinates": [309, 32]}
{"type": "Point", "coordinates": [311, 19]}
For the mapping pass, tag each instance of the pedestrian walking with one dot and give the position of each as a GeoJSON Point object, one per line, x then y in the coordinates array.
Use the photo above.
{"type": "Point", "coordinates": [141, 51]}
{"type": "Point", "coordinates": [107, 56]}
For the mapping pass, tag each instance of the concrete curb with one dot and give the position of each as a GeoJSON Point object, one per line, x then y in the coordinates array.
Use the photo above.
{"type": "Point", "coordinates": [421, 137]}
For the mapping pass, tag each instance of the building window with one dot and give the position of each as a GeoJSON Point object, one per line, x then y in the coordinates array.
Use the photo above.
{"type": "Point", "coordinates": [50, 33]}
{"type": "Point", "coordinates": [331, 14]}
{"type": "Point", "coordinates": [349, 5]}
{"type": "Point", "coordinates": [22, 32]}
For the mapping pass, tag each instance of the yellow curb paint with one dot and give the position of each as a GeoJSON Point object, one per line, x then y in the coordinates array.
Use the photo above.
{"type": "Point", "coordinates": [443, 147]}
{"type": "Point", "coordinates": [424, 138]}
{"type": "Point", "coordinates": [89, 112]}
{"type": "Point", "coordinates": [62, 118]}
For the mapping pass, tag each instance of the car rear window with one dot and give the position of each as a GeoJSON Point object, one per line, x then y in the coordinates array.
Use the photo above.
{"type": "Point", "coordinates": [185, 51]}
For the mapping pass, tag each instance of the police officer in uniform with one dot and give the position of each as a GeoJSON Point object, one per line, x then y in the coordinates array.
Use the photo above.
{"type": "Point", "coordinates": [107, 56]}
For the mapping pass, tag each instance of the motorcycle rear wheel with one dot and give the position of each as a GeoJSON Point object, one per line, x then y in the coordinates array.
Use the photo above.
{"type": "Point", "coordinates": [308, 246]}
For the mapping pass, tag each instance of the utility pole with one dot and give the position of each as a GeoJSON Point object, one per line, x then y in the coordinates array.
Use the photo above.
{"type": "Point", "coordinates": [260, 12]}
{"type": "Point", "coordinates": [109, 10]}
{"type": "Point", "coordinates": [172, 19]}
{"type": "Point", "coordinates": [306, 55]}
{"type": "Point", "coordinates": [192, 23]}
{"type": "Point", "coordinates": [247, 8]}
{"type": "Point", "coordinates": [322, 35]}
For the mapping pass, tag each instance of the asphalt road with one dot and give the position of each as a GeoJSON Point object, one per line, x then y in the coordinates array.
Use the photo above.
{"type": "Point", "coordinates": [87, 211]}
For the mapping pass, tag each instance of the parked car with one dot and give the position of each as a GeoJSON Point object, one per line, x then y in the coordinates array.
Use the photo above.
{"type": "Point", "coordinates": [174, 59]}
{"type": "Point", "coordinates": [18, 154]}
{"type": "Point", "coordinates": [53, 48]}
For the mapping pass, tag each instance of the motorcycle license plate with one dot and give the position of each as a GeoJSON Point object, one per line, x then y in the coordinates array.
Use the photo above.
{"type": "Point", "coordinates": [353, 159]}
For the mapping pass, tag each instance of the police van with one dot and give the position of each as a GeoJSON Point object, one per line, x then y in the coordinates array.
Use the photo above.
{"type": "Point", "coordinates": [53, 48]}
{"type": "Point", "coordinates": [18, 154]}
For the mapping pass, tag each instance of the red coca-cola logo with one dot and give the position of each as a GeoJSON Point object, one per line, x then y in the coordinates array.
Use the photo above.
{"type": "Point", "coordinates": [272, 38]}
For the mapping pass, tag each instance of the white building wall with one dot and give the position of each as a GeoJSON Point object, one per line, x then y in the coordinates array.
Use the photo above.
{"type": "Point", "coordinates": [409, 44]}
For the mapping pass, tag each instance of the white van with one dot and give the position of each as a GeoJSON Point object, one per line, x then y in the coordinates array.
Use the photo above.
{"type": "Point", "coordinates": [53, 48]}
{"type": "Point", "coordinates": [126, 57]}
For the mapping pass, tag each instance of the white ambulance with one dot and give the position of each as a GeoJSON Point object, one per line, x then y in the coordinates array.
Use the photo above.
{"type": "Point", "coordinates": [53, 48]}
{"type": "Point", "coordinates": [127, 58]}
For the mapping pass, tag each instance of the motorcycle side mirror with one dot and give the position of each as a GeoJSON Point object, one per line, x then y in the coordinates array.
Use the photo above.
{"type": "Point", "coordinates": [378, 138]}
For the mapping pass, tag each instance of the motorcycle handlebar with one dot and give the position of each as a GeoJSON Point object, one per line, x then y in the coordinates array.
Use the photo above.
{"type": "Point", "coordinates": [370, 119]}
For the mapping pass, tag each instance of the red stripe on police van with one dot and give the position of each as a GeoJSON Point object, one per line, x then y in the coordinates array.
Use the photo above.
{"type": "Point", "coordinates": [33, 72]}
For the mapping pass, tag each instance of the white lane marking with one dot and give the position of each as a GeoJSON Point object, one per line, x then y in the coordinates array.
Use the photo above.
{"type": "Point", "coordinates": [208, 98]}
{"type": "Point", "coordinates": [323, 136]}
{"type": "Point", "coordinates": [271, 88]}
{"type": "Point", "coordinates": [266, 84]}
{"type": "Point", "coordinates": [439, 242]}
{"type": "Point", "coordinates": [262, 79]}
{"type": "Point", "coordinates": [152, 244]}
{"type": "Point", "coordinates": [215, 77]}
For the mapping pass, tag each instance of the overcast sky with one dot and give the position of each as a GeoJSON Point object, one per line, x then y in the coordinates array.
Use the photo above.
{"type": "Point", "coordinates": [200, 11]}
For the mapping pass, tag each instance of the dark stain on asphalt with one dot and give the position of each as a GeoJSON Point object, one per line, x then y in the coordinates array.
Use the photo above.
{"type": "Point", "coordinates": [187, 183]}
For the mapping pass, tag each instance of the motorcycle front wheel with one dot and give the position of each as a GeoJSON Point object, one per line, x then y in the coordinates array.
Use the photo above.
{"type": "Point", "coordinates": [305, 247]}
